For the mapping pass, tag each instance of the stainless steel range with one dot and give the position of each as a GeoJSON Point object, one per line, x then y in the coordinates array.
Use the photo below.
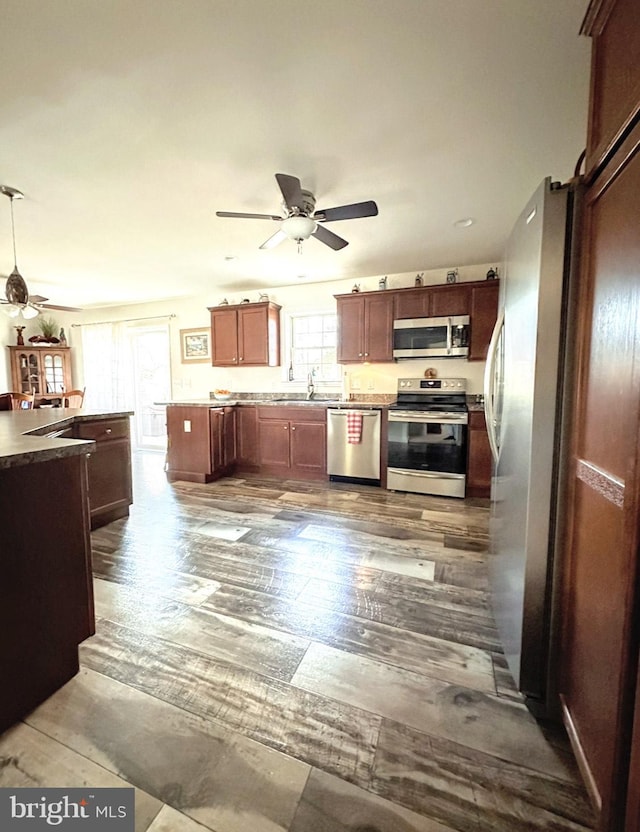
{"type": "Point", "coordinates": [428, 437]}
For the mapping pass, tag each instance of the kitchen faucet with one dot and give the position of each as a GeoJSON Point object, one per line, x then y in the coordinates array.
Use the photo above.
{"type": "Point", "coordinates": [310, 386]}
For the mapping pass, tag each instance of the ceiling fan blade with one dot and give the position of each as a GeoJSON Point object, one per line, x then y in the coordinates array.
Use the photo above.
{"type": "Point", "coordinates": [37, 299]}
{"type": "Point", "coordinates": [329, 238]}
{"type": "Point", "coordinates": [248, 216]}
{"type": "Point", "coordinates": [274, 240]}
{"type": "Point", "coordinates": [55, 306]}
{"type": "Point", "coordinates": [347, 212]}
{"type": "Point", "coordinates": [291, 190]}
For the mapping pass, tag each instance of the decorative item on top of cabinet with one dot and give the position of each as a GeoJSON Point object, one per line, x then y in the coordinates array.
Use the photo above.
{"type": "Point", "coordinates": [492, 274]}
{"type": "Point", "coordinates": [452, 276]}
{"type": "Point", "coordinates": [245, 335]}
{"type": "Point", "coordinates": [382, 283]}
{"type": "Point", "coordinates": [419, 281]}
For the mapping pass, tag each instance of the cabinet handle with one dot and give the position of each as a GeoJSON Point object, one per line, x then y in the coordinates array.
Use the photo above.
{"type": "Point", "coordinates": [108, 431]}
{"type": "Point", "coordinates": [286, 427]}
{"type": "Point", "coordinates": [292, 428]}
{"type": "Point", "coordinates": [359, 355]}
{"type": "Point", "coordinates": [366, 354]}
{"type": "Point", "coordinates": [241, 359]}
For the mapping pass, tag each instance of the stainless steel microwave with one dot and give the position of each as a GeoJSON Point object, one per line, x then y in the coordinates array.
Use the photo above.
{"type": "Point", "coordinates": [431, 337]}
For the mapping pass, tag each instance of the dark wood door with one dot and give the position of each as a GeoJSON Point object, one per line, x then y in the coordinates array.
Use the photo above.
{"type": "Point", "coordinates": [273, 444]}
{"type": "Point", "coordinates": [479, 457]}
{"type": "Point", "coordinates": [378, 327]}
{"type": "Point", "coordinates": [450, 300]}
{"type": "Point", "coordinates": [484, 312]}
{"type": "Point", "coordinates": [247, 436]}
{"type": "Point", "coordinates": [350, 329]}
{"type": "Point", "coordinates": [412, 303]}
{"type": "Point", "coordinates": [253, 336]}
{"type": "Point", "coordinates": [224, 337]}
{"type": "Point", "coordinates": [601, 609]}
{"type": "Point", "coordinates": [308, 449]}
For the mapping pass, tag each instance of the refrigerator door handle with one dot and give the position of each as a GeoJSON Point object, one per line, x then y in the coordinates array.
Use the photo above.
{"type": "Point", "coordinates": [489, 385]}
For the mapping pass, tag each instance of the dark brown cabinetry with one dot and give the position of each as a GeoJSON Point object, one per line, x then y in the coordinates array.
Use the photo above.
{"type": "Point", "coordinates": [109, 468]}
{"type": "Point", "coordinates": [479, 459]}
{"type": "Point", "coordinates": [246, 335]}
{"type": "Point", "coordinates": [365, 320]}
{"type": "Point", "coordinates": [292, 442]}
{"type": "Point", "coordinates": [483, 314]}
{"type": "Point", "coordinates": [365, 327]}
{"type": "Point", "coordinates": [201, 442]}
{"type": "Point", "coordinates": [45, 371]}
{"type": "Point", "coordinates": [601, 601]}
{"type": "Point", "coordinates": [247, 438]}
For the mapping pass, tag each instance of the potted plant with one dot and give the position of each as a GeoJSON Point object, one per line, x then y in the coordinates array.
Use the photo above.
{"type": "Point", "coordinates": [48, 328]}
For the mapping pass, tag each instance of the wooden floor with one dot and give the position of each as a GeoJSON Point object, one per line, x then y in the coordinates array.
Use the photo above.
{"type": "Point", "coordinates": [289, 656]}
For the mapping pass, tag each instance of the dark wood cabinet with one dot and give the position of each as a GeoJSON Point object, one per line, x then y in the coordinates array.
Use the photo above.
{"type": "Point", "coordinates": [365, 327]}
{"type": "Point", "coordinates": [201, 442]}
{"type": "Point", "coordinates": [245, 335]}
{"type": "Point", "coordinates": [292, 442]}
{"type": "Point", "coordinates": [412, 303]}
{"type": "Point", "coordinates": [109, 468]}
{"type": "Point", "coordinates": [479, 457]}
{"type": "Point", "coordinates": [450, 300]}
{"type": "Point", "coordinates": [247, 438]}
{"type": "Point", "coordinates": [601, 596]}
{"type": "Point", "coordinates": [44, 371]}
{"type": "Point", "coordinates": [483, 315]}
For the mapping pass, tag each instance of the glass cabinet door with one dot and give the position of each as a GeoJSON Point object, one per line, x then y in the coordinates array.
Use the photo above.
{"type": "Point", "coordinates": [29, 372]}
{"type": "Point", "coordinates": [53, 373]}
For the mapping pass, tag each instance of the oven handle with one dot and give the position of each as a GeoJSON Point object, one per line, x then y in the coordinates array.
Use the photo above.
{"type": "Point", "coordinates": [425, 474]}
{"type": "Point", "coordinates": [426, 418]}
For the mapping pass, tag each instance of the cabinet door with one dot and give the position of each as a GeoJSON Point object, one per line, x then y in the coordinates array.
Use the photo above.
{"type": "Point", "coordinates": [479, 460]}
{"type": "Point", "coordinates": [253, 336]}
{"type": "Point", "coordinates": [54, 372]}
{"type": "Point", "coordinates": [229, 452]}
{"type": "Point", "coordinates": [350, 329]}
{"type": "Point", "coordinates": [216, 439]}
{"type": "Point", "coordinates": [109, 468]}
{"type": "Point", "coordinates": [378, 327]}
{"type": "Point", "coordinates": [308, 448]}
{"type": "Point", "coordinates": [224, 337]}
{"type": "Point", "coordinates": [484, 311]}
{"type": "Point", "coordinates": [413, 303]}
{"type": "Point", "coordinates": [247, 436]}
{"type": "Point", "coordinates": [450, 300]}
{"type": "Point", "coordinates": [273, 444]}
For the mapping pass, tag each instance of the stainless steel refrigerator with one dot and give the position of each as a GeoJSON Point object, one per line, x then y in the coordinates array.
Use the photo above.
{"type": "Point", "coordinates": [527, 399]}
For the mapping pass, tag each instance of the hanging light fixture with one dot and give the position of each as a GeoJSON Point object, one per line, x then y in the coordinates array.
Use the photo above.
{"type": "Point", "coordinates": [16, 289]}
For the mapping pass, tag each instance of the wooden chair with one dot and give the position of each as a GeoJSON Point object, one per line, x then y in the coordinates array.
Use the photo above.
{"type": "Point", "coordinates": [73, 398]}
{"type": "Point", "coordinates": [5, 401]}
{"type": "Point", "coordinates": [22, 401]}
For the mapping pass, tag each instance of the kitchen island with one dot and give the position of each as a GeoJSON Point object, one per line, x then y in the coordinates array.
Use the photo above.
{"type": "Point", "coordinates": [46, 592]}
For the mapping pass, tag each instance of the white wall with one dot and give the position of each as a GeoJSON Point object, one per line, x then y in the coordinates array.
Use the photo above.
{"type": "Point", "coordinates": [197, 380]}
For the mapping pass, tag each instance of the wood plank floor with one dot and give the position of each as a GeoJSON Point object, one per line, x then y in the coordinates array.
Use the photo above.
{"type": "Point", "coordinates": [276, 656]}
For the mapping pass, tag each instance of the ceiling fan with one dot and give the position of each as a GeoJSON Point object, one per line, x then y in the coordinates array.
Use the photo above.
{"type": "Point", "coordinates": [301, 220]}
{"type": "Point", "coordinates": [18, 300]}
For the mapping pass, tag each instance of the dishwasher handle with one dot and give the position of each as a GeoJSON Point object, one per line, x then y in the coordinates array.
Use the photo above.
{"type": "Point", "coordinates": [344, 411]}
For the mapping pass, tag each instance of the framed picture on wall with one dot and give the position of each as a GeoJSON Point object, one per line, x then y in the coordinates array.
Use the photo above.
{"type": "Point", "coordinates": [195, 345]}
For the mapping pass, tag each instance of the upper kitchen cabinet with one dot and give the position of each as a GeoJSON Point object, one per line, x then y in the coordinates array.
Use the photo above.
{"type": "Point", "coordinates": [365, 327]}
{"type": "Point", "coordinates": [245, 335]}
{"type": "Point", "coordinates": [432, 301]}
{"type": "Point", "coordinates": [483, 315]}
{"type": "Point", "coordinates": [615, 76]}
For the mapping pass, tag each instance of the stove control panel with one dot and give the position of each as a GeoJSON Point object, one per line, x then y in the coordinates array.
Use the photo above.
{"type": "Point", "coordinates": [427, 385]}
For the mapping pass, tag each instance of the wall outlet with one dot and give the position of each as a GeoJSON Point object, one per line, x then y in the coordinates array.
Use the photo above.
{"type": "Point", "coordinates": [187, 425]}
{"type": "Point", "coordinates": [371, 385]}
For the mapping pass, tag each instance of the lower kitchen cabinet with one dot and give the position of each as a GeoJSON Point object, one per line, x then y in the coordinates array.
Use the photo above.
{"type": "Point", "coordinates": [479, 457]}
{"type": "Point", "coordinates": [201, 444]}
{"type": "Point", "coordinates": [292, 442]}
{"type": "Point", "coordinates": [247, 438]}
{"type": "Point", "coordinates": [109, 468]}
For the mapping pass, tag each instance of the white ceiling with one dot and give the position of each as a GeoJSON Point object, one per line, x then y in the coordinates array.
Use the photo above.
{"type": "Point", "coordinates": [128, 123]}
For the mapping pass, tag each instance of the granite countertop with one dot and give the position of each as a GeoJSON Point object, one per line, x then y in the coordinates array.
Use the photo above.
{"type": "Point", "coordinates": [280, 402]}
{"type": "Point", "coordinates": [24, 434]}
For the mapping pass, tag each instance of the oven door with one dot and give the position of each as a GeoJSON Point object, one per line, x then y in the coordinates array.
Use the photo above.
{"type": "Point", "coordinates": [427, 452]}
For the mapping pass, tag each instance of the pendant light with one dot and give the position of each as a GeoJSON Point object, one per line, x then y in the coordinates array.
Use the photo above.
{"type": "Point", "coordinates": [16, 289]}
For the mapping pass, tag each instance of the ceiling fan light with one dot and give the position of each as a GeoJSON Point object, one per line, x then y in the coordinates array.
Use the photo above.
{"type": "Point", "coordinates": [29, 311]}
{"type": "Point", "coordinates": [11, 310]}
{"type": "Point", "coordinates": [298, 227]}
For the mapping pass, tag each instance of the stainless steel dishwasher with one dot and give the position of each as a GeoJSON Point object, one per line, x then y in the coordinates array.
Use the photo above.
{"type": "Point", "coordinates": [353, 462]}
